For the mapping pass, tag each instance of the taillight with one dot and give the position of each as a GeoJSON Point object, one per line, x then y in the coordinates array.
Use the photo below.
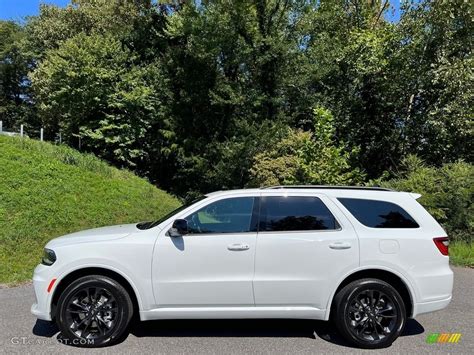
{"type": "Point", "coordinates": [442, 243]}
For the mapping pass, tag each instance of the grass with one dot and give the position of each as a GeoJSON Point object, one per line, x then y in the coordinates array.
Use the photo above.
{"type": "Point", "coordinates": [47, 191]}
{"type": "Point", "coordinates": [461, 253]}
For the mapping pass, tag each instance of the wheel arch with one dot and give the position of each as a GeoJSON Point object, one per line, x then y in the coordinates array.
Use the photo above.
{"type": "Point", "coordinates": [95, 270]}
{"type": "Point", "coordinates": [388, 276]}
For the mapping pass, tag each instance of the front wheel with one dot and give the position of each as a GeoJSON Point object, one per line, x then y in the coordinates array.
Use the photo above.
{"type": "Point", "coordinates": [370, 313]}
{"type": "Point", "coordinates": [93, 311]}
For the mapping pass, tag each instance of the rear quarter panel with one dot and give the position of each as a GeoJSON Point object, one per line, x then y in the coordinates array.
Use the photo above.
{"type": "Point", "coordinates": [408, 252]}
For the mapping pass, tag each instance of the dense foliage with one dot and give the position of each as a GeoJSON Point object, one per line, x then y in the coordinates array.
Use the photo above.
{"type": "Point", "coordinates": [303, 157]}
{"type": "Point", "coordinates": [205, 95]}
{"type": "Point", "coordinates": [447, 193]}
{"type": "Point", "coordinates": [48, 191]}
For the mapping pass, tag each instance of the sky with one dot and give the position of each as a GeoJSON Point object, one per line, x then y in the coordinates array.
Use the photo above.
{"type": "Point", "coordinates": [16, 10]}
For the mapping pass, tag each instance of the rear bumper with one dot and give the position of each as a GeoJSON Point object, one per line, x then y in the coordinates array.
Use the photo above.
{"type": "Point", "coordinates": [434, 283]}
{"type": "Point", "coordinates": [432, 306]}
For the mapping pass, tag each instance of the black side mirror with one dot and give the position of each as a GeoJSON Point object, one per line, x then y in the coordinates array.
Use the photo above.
{"type": "Point", "coordinates": [179, 228]}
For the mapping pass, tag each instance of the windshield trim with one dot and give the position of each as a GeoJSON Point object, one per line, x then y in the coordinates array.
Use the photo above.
{"type": "Point", "coordinates": [153, 224]}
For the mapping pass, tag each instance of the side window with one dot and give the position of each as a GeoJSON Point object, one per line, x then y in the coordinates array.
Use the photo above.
{"type": "Point", "coordinates": [378, 214]}
{"type": "Point", "coordinates": [232, 215]}
{"type": "Point", "coordinates": [295, 213]}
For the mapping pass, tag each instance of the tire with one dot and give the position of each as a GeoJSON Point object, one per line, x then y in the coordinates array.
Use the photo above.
{"type": "Point", "coordinates": [93, 311]}
{"type": "Point", "coordinates": [370, 324]}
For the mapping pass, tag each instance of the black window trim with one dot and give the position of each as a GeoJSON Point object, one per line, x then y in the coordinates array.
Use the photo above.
{"type": "Point", "coordinates": [306, 231]}
{"type": "Point", "coordinates": [372, 199]}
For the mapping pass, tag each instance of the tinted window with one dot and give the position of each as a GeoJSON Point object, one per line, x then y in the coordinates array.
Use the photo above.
{"type": "Point", "coordinates": [378, 214]}
{"type": "Point", "coordinates": [279, 213]}
{"type": "Point", "coordinates": [233, 215]}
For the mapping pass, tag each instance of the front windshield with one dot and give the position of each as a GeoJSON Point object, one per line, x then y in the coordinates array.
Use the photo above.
{"type": "Point", "coordinates": [148, 225]}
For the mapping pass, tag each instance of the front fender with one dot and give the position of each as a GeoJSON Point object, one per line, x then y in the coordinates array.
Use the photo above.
{"type": "Point", "coordinates": [97, 265]}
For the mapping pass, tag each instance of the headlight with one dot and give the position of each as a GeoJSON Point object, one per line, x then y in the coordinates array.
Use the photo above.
{"type": "Point", "coordinates": [49, 257]}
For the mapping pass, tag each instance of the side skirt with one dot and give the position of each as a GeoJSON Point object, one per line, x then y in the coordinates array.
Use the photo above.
{"type": "Point", "coordinates": [233, 312]}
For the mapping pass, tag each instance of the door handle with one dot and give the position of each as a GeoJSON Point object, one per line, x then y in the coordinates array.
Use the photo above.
{"type": "Point", "coordinates": [340, 245]}
{"type": "Point", "coordinates": [238, 247]}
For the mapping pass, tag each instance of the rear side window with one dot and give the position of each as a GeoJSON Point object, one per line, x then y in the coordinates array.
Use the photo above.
{"type": "Point", "coordinates": [295, 213]}
{"type": "Point", "coordinates": [378, 214]}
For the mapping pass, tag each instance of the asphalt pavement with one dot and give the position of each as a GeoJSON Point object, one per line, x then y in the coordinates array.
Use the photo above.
{"type": "Point", "coordinates": [21, 333]}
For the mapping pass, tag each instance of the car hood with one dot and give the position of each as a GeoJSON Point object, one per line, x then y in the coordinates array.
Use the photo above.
{"type": "Point", "coordinates": [94, 235]}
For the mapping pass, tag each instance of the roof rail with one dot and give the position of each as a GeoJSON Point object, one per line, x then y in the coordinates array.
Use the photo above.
{"type": "Point", "coordinates": [374, 188]}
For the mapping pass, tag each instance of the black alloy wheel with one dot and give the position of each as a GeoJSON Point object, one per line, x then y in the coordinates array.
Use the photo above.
{"type": "Point", "coordinates": [93, 311]}
{"type": "Point", "coordinates": [370, 313]}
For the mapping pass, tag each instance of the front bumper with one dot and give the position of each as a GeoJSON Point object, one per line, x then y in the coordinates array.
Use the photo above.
{"type": "Point", "coordinates": [39, 313]}
{"type": "Point", "coordinates": [41, 280]}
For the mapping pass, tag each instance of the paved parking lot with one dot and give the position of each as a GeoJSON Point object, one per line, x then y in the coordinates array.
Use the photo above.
{"type": "Point", "coordinates": [20, 332]}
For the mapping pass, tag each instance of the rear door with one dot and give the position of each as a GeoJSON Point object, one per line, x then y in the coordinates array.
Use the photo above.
{"type": "Point", "coordinates": [304, 246]}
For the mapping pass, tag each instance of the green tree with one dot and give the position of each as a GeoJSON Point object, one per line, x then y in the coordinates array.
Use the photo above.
{"type": "Point", "coordinates": [435, 80]}
{"type": "Point", "coordinates": [92, 85]}
{"type": "Point", "coordinates": [54, 24]}
{"type": "Point", "coordinates": [15, 101]}
{"type": "Point", "coordinates": [227, 64]}
{"type": "Point", "coordinates": [87, 90]}
{"type": "Point", "coordinates": [304, 157]}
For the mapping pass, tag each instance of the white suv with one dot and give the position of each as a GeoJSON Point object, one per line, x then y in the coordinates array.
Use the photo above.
{"type": "Point", "coordinates": [368, 258]}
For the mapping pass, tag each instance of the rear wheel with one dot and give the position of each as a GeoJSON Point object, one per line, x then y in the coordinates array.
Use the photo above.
{"type": "Point", "coordinates": [370, 313]}
{"type": "Point", "coordinates": [94, 311]}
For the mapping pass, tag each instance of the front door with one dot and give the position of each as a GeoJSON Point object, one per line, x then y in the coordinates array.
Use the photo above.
{"type": "Point", "coordinates": [304, 245]}
{"type": "Point", "coordinates": [212, 265]}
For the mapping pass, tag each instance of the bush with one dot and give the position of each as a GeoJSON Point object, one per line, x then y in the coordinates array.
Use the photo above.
{"type": "Point", "coordinates": [447, 193]}
{"type": "Point", "coordinates": [307, 157]}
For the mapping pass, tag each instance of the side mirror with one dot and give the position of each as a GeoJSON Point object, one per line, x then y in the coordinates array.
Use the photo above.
{"type": "Point", "coordinates": [179, 228]}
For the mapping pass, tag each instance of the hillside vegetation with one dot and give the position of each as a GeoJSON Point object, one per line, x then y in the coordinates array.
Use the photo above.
{"type": "Point", "coordinates": [47, 191]}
